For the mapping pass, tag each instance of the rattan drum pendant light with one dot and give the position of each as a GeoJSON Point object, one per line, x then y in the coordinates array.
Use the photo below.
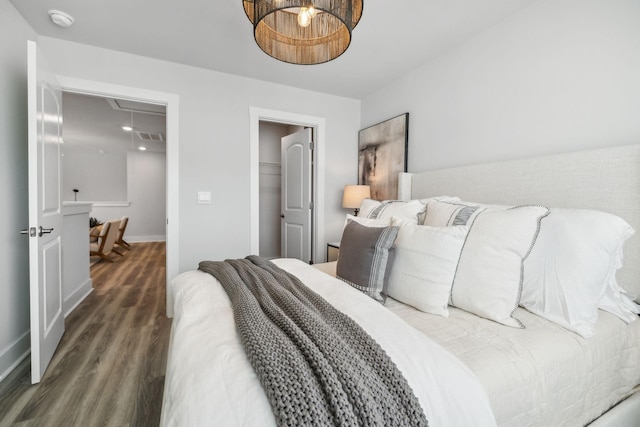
{"type": "Point", "coordinates": [303, 31]}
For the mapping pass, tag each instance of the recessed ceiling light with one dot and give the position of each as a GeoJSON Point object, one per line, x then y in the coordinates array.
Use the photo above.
{"type": "Point", "coordinates": [127, 128]}
{"type": "Point", "coordinates": [60, 18]}
{"type": "Point", "coordinates": [142, 148]}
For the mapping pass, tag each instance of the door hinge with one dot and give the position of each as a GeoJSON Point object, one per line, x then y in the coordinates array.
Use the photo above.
{"type": "Point", "coordinates": [311, 205]}
{"type": "Point", "coordinates": [311, 146]}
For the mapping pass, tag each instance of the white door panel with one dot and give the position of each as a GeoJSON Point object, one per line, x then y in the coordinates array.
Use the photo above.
{"type": "Point", "coordinates": [294, 236]}
{"type": "Point", "coordinates": [45, 212]}
{"type": "Point", "coordinates": [51, 276]}
{"type": "Point", "coordinates": [295, 188]}
{"type": "Point", "coordinates": [296, 157]}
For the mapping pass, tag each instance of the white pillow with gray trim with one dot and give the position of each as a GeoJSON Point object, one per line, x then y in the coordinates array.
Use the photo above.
{"type": "Point", "coordinates": [412, 210]}
{"type": "Point", "coordinates": [367, 222]}
{"type": "Point", "coordinates": [375, 209]}
{"type": "Point", "coordinates": [488, 280]}
{"type": "Point", "coordinates": [442, 213]}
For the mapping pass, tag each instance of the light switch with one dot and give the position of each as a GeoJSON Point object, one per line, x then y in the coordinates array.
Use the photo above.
{"type": "Point", "coordinates": [204, 197]}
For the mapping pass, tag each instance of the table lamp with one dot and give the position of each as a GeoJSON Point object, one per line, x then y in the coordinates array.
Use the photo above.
{"type": "Point", "coordinates": [354, 195]}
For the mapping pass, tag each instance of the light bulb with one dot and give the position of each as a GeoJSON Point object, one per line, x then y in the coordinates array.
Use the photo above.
{"type": "Point", "coordinates": [304, 19]}
{"type": "Point", "coordinates": [312, 11]}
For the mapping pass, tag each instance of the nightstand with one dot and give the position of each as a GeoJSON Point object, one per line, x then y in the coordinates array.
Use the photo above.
{"type": "Point", "coordinates": [333, 250]}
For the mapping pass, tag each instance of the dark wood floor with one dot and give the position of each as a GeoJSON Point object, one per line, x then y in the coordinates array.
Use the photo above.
{"type": "Point", "coordinates": [109, 367]}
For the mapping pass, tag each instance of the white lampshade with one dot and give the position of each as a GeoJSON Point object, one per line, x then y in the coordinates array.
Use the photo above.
{"type": "Point", "coordinates": [354, 195]}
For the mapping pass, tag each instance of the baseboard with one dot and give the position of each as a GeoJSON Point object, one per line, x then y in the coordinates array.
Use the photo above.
{"type": "Point", "coordinates": [72, 301]}
{"type": "Point", "coordinates": [13, 354]}
{"type": "Point", "coordinates": [141, 239]}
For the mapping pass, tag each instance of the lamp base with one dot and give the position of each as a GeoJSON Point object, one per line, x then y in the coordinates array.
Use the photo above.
{"type": "Point", "coordinates": [355, 211]}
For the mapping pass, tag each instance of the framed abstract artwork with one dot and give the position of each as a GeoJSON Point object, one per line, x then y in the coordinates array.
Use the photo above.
{"type": "Point", "coordinates": [382, 155]}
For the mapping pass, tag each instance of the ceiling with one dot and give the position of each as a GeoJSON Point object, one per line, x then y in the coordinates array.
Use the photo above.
{"type": "Point", "coordinates": [217, 35]}
{"type": "Point", "coordinates": [93, 123]}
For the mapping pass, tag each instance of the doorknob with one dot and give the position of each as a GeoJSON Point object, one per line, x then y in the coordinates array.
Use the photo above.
{"type": "Point", "coordinates": [30, 231]}
{"type": "Point", "coordinates": [44, 231]}
{"type": "Point", "coordinates": [281, 215]}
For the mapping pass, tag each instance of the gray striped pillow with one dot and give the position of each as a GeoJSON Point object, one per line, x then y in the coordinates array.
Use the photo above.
{"type": "Point", "coordinates": [365, 258]}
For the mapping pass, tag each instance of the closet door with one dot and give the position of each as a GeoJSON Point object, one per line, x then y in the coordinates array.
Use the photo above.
{"type": "Point", "coordinates": [297, 206]}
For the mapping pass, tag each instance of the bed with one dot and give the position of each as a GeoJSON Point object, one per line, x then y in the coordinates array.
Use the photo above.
{"type": "Point", "coordinates": [463, 368]}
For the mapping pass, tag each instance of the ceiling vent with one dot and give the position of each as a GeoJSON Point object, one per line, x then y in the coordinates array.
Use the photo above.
{"type": "Point", "coordinates": [148, 136]}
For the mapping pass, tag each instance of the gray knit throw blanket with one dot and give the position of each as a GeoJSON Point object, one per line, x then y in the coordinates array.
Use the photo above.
{"type": "Point", "coordinates": [317, 366]}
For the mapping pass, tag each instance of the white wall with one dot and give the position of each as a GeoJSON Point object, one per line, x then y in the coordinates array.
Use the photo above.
{"type": "Point", "coordinates": [561, 75]}
{"type": "Point", "coordinates": [214, 140]}
{"type": "Point", "coordinates": [14, 266]}
{"type": "Point", "coordinates": [97, 176]}
{"type": "Point", "coordinates": [147, 197]}
{"type": "Point", "coordinates": [136, 177]}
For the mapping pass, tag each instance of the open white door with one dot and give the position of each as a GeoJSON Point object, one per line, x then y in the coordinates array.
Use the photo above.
{"type": "Point", "coordinates": [45, 212]}
{"type": "Point", "coordinates": [297, 207]}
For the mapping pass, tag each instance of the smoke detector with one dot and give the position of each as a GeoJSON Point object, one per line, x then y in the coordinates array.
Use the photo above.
{"type": "Point", "coordinates": [60, 18]}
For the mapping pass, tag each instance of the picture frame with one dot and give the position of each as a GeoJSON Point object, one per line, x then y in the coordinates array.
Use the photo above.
{"type": "Point", "coordinates": [382, 155]}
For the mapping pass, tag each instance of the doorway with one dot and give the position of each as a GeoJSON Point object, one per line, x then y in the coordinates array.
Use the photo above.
{"type": "Point", "coordinates": [114, 157]}
{"type": "Point", "coordinates": [286, 191]}
{"type": "Point", "coordinates": [171, 103]}
{"type": "Point", "coordinates": [271, 134]}
{"type": "Point", "coordinates": [258, 115]}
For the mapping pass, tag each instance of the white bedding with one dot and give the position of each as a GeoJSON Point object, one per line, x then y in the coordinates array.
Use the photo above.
{"type": "Point", "coordinates": [210, 382]}
{"type": "Point", "coordinates": [542, 375]}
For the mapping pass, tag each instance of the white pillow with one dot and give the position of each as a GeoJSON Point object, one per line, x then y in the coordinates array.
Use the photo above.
{"type": "Point", "coordinates": [488, 280]}
{"type": "Point", "coordinates": [573, 301]}
{"type": "Point", "coordinates": [413, 210]}
{"type": "Point", "coordinates": [424, 265]}
{"type": "Point", "coordinates": [619, 302]}
{"type": "Point", "coordinates": [441, 213]}
{"type": "Point", "coordinates": [571, 270]}
{"type": "Point", "coordinates": [367, 222]}
{"type": "Point", "coordinates": [405, 210]}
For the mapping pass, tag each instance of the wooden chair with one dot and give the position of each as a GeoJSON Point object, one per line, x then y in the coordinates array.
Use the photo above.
{"type": "Point", "coordinates": [120, 242]}
{"type": "Point", "coordinates": [107, 238]}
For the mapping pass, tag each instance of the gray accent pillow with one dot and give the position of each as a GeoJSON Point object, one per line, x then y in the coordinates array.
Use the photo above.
{"type": "Point", "coordinates": [365, 258]}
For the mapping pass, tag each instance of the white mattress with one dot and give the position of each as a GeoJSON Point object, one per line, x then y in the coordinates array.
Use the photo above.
{"type": "Point", "coordinates": [209, 380]}
{"type": "Point", "coordinates": [542, 375]}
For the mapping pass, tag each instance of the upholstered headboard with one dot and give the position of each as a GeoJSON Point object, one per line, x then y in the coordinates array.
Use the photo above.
{"type": "Point", "coordinates": [605, 179]}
